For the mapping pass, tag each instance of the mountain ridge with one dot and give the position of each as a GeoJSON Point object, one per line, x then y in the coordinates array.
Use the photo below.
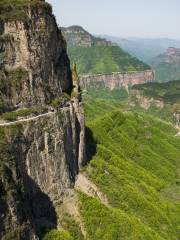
{"type": "Point", "coordinates": [144, 48]}
{"type": "Point", "coordinates": [95, 55]}
{"type": "Point", "coordinates": [167, 65]}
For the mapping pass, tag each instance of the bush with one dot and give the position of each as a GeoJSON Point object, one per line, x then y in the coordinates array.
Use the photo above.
{"type": "Point", "coordinates": [57, 235]}
{"type": "Point", "coordinates": [12, 10]}
{"type": "Point", "coordinates": [12, 116]}
{"type": "Point", "coordinates": [60, 101]}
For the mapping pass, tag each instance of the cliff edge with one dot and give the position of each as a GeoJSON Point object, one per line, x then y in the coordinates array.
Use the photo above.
{"type": "Point", "coordinates": [41, 120]}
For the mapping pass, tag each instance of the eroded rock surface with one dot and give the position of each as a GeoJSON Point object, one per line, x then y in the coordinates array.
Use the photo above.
{"type": "Point", "coordinates": [41, 156]}
{"type": "Point", "coordinates": [118, 79]}
{"type": "Point", "coordinates": [34, 65]}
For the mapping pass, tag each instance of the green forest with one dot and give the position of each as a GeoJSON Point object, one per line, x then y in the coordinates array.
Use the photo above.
{"type": "Point", "coordinates": [134, 161]}
{"type": "Point", "coordinates": [104, 60]}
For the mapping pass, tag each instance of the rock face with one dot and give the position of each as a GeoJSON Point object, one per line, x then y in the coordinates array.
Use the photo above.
{"type": "Point", "coordinates": [39, 158]}
{"type": "Point", "coordinates": [47, 155]}
{"type": "Point", "coordinates": [167, 65]}
{"type": "Point", "coordinates": [172, 55]}
{"type": "Point", "coordinates": [77, 36]}
{"type": "Point", "coordinates": [34, 66]}
{"type": "Point", "coordinates": [117, 80]}
{"type": "Point", "coordinates": [138, 97]}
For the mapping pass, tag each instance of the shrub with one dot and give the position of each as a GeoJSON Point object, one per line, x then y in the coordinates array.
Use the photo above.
{"type": "Point", "coordinates": [57, 235]}
{"type": "Point", "coordinates": [60, 101]}
{"type": "Point", "coordinates": [12, 10]}
{"type": "Point", "coordinates": [12, 116]}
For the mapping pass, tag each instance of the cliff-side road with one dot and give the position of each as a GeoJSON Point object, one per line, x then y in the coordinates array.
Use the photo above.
{"type": "Point", "coordinates": [6, 124]}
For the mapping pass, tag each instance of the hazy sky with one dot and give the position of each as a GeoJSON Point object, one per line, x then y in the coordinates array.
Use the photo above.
{"type": "Point", "coordinates": [124, 18]}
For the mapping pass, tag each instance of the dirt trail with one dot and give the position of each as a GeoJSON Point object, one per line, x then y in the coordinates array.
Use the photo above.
{"type": "Point", "coordinates": [26, 119]}
{"type": "Point", "coordinates": [71, 207]}
{"type": "Point", "coordinates": [89, 188]}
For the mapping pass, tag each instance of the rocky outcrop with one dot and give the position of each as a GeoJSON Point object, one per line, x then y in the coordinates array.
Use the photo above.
{"type": "Point", "coordinates": [41, 156]}
{"type": "Point", "coordinates": [77, 36]}
{"type": "Point", "coordinates": [117, 80]}
{"type": "Point", "coordinates": [34, 66]}
{"type": "Point", "coordinates": [136, 97]}
{"type": "Point", "coordinates": [172, 55]}
{"type": "Point", "coordinates": [47, 155]}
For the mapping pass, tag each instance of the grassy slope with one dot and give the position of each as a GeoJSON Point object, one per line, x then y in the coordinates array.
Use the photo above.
{"type": "Point", "coordinates": [136, 165]}
{"type": "Point", "coordinates": [104, 59]}
{"type": "Point", "coordinates": [165, 71]}
{"type": "Point", "coordinates": [137, 158]}
{"type": "Point", "coordinates": [167, 92]}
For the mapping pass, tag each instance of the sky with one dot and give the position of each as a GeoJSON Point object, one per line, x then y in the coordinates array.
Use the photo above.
{"type": "Point", "coordinates": [121, 18]}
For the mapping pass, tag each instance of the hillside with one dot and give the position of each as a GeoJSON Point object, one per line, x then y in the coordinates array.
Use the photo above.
{"type": "Point", "coordinates": [100, 163]}
{"type": "Point", "coordinates": [94, 55]}
{"type": "Point", "coordinates": [139, 179]}
{"type": "Point", "coordinates": [144, 49]}
{"type": "Point", "coordinates": [168, 92]}
{"type": "Point", "coordinates": [130, 188]}
{"type": "Point", "coordinates": [158, 99]}
{"type": "Point", "coordinates": [167, 65]}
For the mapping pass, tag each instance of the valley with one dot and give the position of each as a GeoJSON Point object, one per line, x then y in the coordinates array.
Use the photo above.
{"type": "Point", "coordinates": [89, 140]}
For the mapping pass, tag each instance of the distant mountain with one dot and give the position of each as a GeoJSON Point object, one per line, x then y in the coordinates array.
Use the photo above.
{"type": "Point", "coordinates": [144, 49]}
{"type": "Point", "coordinates": [77, 36]}
{"type": "Point", "coordinates": [95, 55]}
{"type": "Point", "coordinates": [167, 65]}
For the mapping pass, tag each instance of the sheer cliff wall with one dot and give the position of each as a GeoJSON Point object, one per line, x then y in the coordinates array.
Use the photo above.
{"type": "Point", "coordinates": [117, 80]}
{"type": "Point", "coordinates": [40, 156]}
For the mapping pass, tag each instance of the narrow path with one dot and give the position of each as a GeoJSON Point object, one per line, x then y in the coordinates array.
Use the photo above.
{"type": "Point", "coordinates": [71, 206]}
{"type": "Point", "coordinates": [26, 119]}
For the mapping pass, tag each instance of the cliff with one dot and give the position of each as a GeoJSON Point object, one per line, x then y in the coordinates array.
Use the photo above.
{"type": "Point", "coordinates": [161, 99]}
{"type": "Point", "coordinates": [167, 65]}
{"type": "Point", "coordinates": [77, 36]}
{"type": "Point", "coordinates": [34, 66]}
{"type": "Point", "coordinates": [117, 80]}
{"type": "Point", "coordinates": [95, 55]}
{"type": "Point", "coordinates": [41, 152]}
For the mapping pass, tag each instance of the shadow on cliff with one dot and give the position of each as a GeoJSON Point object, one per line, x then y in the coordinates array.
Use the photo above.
{"type": "Point", "coordinates": [90, 145]}
{"type": "Point", "coordinates": [41, 211]}
{"type": "Point", "coordinates": [33, 212]}
{"type": "Point", "coordinates": [38, 209]}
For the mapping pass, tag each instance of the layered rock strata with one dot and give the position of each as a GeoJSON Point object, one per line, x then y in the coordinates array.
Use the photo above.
{"type": "Point", "coordinates": [41, 156]}
{"type": "Point", "coordinates": [117, 79]}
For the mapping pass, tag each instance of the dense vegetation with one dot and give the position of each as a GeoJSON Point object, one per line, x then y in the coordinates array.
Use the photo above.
{"type": "Point", "coordinates": [167, 72]}
{"type": "Point", "coordinates": [167, 68]}
{"type": "Point", "coordinates": [12, 10]}
{"type": "Point", "coordinates": [167, 92]}
{"type": "Point", "coordinates": [135, 163]}
{"type": "Point", "coordinates": [14, 115]}
{"type": "Point", "coordinates": [104, 59]}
